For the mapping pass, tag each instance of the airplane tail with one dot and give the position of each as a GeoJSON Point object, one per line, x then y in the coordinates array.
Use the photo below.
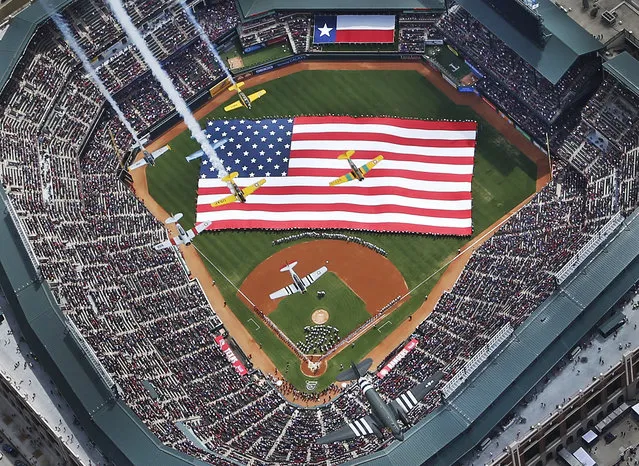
{"type": "Point", "coordinates": [236, 86]}
{"type": "Point", "coordinates": [355, 371]}
{"type": "Point", "coordinates": [229, 178]}
{"type": "Point", "coordinates": [175, 218]}
{"type": "Point", "coordinates": [346, 155]}
{"type": "Point", "coordinates": [288, 266]}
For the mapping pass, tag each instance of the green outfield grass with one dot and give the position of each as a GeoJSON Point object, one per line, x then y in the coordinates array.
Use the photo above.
{"type": "Point", "coordinates": [503, 178]}
{"type": "Point", "coordinates": [265, 55]}
{"type": "Point", "coordinates": [346, 310]}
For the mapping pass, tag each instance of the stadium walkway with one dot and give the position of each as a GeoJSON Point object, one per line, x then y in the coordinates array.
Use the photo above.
{"type": "Point", "coordinates": [31, 381]}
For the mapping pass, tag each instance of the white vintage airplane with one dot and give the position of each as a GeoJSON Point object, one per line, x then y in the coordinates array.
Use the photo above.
{"type": "Point", "coordinates": [299, 285]}
{"type": "Point", "coordinates": [149, 157]}
{"type": "Point", "coordinates": [200, 153]}
{"type": "Point", "coordinates": [183, 237]}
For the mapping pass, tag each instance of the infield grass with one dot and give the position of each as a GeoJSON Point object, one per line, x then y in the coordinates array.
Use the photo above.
{"type": "Point", "coordinates": [503, 178]}
{"type": "Point", "coordinates": [345, 309]}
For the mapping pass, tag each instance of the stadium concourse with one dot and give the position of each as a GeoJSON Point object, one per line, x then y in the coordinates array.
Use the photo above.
{"type": "Point", "coordinates": [149, 324]}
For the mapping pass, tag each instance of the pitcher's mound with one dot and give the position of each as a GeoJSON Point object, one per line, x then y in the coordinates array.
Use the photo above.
{"type": "Point", "coordinates": [320, 316]}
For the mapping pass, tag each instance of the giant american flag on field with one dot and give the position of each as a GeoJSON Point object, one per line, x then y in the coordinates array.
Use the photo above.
{"type": "Point", "coordinates": [423, 185]}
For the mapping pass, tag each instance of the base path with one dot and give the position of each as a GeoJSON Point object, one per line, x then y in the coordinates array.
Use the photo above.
{"type": "Point", "coordinates": [369, 275]}
{"type": "Point", "coordinates": [233, 325]}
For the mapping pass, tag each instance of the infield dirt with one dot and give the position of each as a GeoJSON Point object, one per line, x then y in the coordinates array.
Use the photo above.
{"type": "Point", "coordinates": [368, 274]}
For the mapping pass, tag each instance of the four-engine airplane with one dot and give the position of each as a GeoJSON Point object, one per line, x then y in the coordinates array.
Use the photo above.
{"type": "Point", "coordinates": [244, 100]}
{"type": "Point", "coordinates": [149, 157]}
{"type": "Point", "coordinates": [383, 415]}
{"type": "Point", "coordinates": [356, 173]}
{"type": "Point", "coordinates": [183, 237]}
{"type": "Point", "coordinates": [200, 153]}
{"type": "Point", "coordinates": [299, 285]}
{"type": "Point", "coordinates": [237, 193]}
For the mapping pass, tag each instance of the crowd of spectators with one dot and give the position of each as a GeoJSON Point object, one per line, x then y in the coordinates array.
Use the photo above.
{"type": "Point", "coordinates": [509, 80]}
{"type": "Point", "coordinates": [414, 29]}
{"type": "Point", "coordinates": [277, 27]}
{"type": "Point", "coordinates": [149, 324]}
{"type": "Point", "coordinates": [326, 235]}
{"type": "Point", "coordinates": [601, 147]}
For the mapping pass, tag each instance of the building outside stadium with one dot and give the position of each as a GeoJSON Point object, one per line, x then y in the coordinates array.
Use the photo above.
{"type": "Point", "coordinates": [34, 276]}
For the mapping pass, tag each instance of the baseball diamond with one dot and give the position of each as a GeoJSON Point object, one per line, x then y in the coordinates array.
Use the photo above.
{"type": "Point", "coordinates": [263, 232]}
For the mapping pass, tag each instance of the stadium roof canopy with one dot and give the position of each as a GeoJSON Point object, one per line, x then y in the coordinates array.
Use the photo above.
{"type": "Point", "coordinates": [568, 40]}
{"type": "Point", "coordinates": [553, 329]}
{"type": "Point", "coordinates": [257, 7]}
{"type": "Point", "coordinates": [625, 68]}
{"type": "Point", "coordinates": [16, 38]}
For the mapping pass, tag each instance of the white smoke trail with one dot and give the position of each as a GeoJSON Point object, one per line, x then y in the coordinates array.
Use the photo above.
{"type": "Point", "coordinates": [206, 40]}
{"type": "Point", "coordinates": [70, 38]}
{"type": "Point", "coordinates": [166, 83]}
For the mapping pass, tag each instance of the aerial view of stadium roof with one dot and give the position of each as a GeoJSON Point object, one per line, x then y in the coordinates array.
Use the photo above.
{"type": "Point", "coordinates": [270, 233]}
{"type": "Point", "coordinates": [250, 8]}
{"type": "Point", "coordinates": [564, 43]}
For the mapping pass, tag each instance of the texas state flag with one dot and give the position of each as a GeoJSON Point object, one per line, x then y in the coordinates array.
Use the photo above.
{"type": "Point", "coordinates": [354, 29]}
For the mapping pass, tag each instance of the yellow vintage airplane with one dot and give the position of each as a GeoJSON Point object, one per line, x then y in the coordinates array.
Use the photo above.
{"type": "Point", "coordinates": [355, 173]}
{"type": "Point", "coordinates": [244, 100]}
{"type": "Point", "coordinates": [237, 193]}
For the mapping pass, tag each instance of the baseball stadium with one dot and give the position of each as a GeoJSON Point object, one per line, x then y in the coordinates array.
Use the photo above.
{"type": "Point", "coordinates": [275, 232]}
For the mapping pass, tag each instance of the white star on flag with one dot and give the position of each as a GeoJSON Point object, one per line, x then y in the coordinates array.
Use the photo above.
{"type": "Point", "coordinates": [325, 31]}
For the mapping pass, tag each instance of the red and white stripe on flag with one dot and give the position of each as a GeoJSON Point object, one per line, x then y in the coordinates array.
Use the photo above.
{"type": "Point", "coordinates": [365, 28]}
{"type": "Point", "coordinates": [423, 185]}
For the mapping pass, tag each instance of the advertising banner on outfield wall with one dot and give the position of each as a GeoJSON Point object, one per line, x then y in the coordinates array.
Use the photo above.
{"type": "Point", "coordinates": [230, 355]}
{"type": "Point", "coordinates": [490, 104]}
{"type": "Point", "coordinates": [410, 346]}
{"type": "Point", "coordinates": [466, 89]}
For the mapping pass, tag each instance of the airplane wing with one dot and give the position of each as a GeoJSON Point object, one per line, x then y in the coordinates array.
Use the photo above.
{"type": "Point", "coordinates": [252, 188]}
{"type": "Point", "coordinates": [160, 151]}
{"type": "Point", "coordinates": [353, 176]}
{"type": "Point", "coordinates": [357, 428]}
{"type": "Point", "coordinates": [225, 200]}
{"type": "Point", "coordinates": [311, 277]}
{"type": "Point", "coordinates": [193, 232]}
{"type": "Point", "coordinates": [138, 164]}
{"type": "Point", "coordinates": [369, 166]}
{"type": "Point", "coordinates": [233, 106]}
{"type": "Point", "coordinates": [343, 179]}
{"type": "Point", "coordinates": [409, 400]}
{"type": "Point", "coordinates": [195, 155]}
{"type": "Point", "coordinates": [201, 227]}
{"type": "Point", "coordinates": [168, 243]}
{"type": "Point", "coordinates": [287, 290]}
{"type": "Point", "coordinates": [256, 95]}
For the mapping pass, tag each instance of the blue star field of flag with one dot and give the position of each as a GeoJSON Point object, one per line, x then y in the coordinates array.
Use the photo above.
{"type": "Point", "coordinates": [255, 148]}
